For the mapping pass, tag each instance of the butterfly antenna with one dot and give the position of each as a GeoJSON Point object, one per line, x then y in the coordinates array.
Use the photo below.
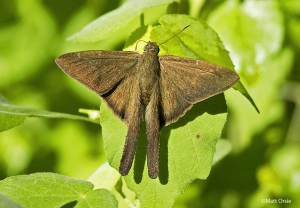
{"type": "Point", "coordinates": [183, 29]}
{"type": "Point", "coordinates": [136, 45]}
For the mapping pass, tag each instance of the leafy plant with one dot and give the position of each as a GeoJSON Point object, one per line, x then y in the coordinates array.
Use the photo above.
{"type": "Point", "coordinates": [257, 38]}
{"type": "Point", "coordinates": [53, 190]}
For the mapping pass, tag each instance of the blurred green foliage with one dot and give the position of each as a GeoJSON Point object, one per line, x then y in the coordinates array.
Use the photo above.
{"type": "Point", "coordinates": [263, 40]}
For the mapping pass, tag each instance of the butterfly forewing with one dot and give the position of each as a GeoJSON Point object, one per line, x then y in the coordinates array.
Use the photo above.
{"type": "Point", "coordinates": [99, 70]}
{"type": "Point", "coordinates": [186, 81]}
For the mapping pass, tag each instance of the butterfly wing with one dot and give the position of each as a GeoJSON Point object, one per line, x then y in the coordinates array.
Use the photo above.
{"type": "Point", "coordinates": [109, 73]}
{"type": "Point", "coordinates": [186, 81]}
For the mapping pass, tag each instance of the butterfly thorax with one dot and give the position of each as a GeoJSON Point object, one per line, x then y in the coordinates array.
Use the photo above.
{"type": "Point", "coordinates": [151, 48]}
{"type": "Point", "coordinates": [148, 70]}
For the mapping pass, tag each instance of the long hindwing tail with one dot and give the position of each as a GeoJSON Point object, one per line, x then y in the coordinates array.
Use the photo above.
{"type": "Point", "coordinates": [153, 127]}
{"type": "Point", "coordinates": [133, 116]}
{"type": "Point", "coordinates": [186, 81]}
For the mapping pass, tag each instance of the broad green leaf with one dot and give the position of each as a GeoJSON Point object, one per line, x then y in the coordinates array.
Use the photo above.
{"type": "Point", "coordinates": [98, 198]}
{"type": "Point", "coordinates": [187, 147]}
{"type": "Point", "coordinates": [188, 43]}
{"type": "Point", "coordinates": [107, 177]}
{"type": "Point", "coordinates": [197, 41]}
{"type": "Point", "coordinates": [252, 31]}
{"type": "Point", "coordinates": [244, 122]}
{"type": "Point", "coordinates": [186, 151]}
{"type": "Point", "coordinates": [12, 115]}
{"type": "Point", "coordinates": [122, 21]}
{"type": "Point", "coordinates": [7, 203]}
{"type": "Point", "coordinates": [47, 190]}
{"type": "Point", "coordinates": [50, 190]}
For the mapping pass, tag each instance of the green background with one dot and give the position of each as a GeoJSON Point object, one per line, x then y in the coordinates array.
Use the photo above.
{"type": "Point", "coordinates": [262, 38]}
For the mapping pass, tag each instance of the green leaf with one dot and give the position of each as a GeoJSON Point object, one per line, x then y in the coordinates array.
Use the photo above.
{"type": "Point", "coordinates": [197, 41]}
{"type": "Point", "coordinates": [222, 149]}
{"type": "Point", "coordinates": [121, 22]}
{"type": "Point", "coordinates": [10, 121]}
{"type": "Point", "coordinates": [12, 115]}
{"type": "Point", "coordinates": [107, 177]}
{"type": "Point", "coordinates": [252, 31]}
{"type": "Point", "coordinates": [45, 190]}
{"type": "Point", "coordinates": [244, 122]}
{"type": "Point", "coordinates": [7, 203]}
{"type": "Point", "coordinates": [187, 147]}
{"type": "Point", "coordinates": [50, 190]}
{"type": "Point", "coordinates": [99, 198]}
{"type": "Point", "coordinates": [197, 132]}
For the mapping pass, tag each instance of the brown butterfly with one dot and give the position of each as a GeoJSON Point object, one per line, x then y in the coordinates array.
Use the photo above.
{"type": "Point", "coordinates": [159, 88]}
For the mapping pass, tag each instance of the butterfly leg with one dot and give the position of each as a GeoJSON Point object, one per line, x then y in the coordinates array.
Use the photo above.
{"type": "Point", "coordinates": [133, 118]}
{"type": "Point", "coordinates": [152, 126]}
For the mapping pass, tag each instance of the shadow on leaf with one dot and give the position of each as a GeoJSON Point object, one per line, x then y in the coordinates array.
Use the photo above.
{"type": "Point", "coordinates": [214, 105]}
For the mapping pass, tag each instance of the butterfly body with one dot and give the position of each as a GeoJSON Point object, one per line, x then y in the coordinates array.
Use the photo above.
{"type": "Point", "coordinates": [148, 71]}
{"type": "Point", "coordinates": [158, 89]}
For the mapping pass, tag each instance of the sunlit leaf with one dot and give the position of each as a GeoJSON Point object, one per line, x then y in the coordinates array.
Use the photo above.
{"type": "Point", "coordinates": [122, 21]}
{"type": "Point", "coordinates": [106, 177]}
{"type": "Point", "coordinates": [49, 190]}
{"type": "Point", "coordinates": [99, 198]}
{"type": "Point", "coordinates": [223, 147]}
{"type": "Point", "coordinates": [252, 31]}
{"type": "Point", "coordinates": [197, 41]}
{"type": "Point", "coordinates": [7, 203]}
{"type": "Point", "coordinates": [197, 132]}
{"type": "Point", "coordinates": [12, 115]}
{"type": "Point", "coordinates": [187, 43]}
{"type": "Point", "coordinates": [244, 122]}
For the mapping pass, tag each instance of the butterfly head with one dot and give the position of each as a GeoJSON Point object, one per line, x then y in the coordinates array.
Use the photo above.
{"type": "Point", "coordinates": [152, 48]}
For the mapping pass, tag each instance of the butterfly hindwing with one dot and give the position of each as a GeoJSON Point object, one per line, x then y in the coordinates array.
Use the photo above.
{"type": "Point", "coordinates": [186, 81]}
{"type": "Point", "coordinates": [118, 98]}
